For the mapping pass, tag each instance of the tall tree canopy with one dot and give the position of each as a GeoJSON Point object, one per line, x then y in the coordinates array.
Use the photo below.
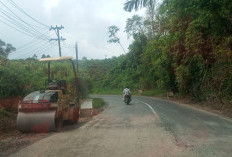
{"type": "Point", "coordinates": [134, 26]}
{"type": "Point", "coordinates": [5, 49]}
{"type": "Point", "coordinates": [130, 5]}
{"type": "Point", "coordinates": [113, 38]}
{"type": "Point", "coordinates": [150, 5]}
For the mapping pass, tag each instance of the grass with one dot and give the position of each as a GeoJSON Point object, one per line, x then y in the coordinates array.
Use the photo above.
{"type": "Point", "coordinates": [154, 92]}
{"type": "Point", "coordinates": [107, 91]}
{"type": "Point", "coordinates": [98, 103]}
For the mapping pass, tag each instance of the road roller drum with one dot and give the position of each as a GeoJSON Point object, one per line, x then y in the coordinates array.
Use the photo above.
{"type": "Point", "coordinates": [36, 122]}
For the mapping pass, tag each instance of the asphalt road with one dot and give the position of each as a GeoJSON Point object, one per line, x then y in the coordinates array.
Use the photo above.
{"type": "Point", "coordinates": [148, 127]}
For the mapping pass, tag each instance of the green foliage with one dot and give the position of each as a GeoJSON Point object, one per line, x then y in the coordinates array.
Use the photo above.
{"type": "Point", "coordinates": [186, 48]}
{"type": "Point", "coordinates": [95, 71]}
{"type": "Point", "coordinates": [113, 30]}
{"type": "Point", "coordinates": [5, 49]}
{"type": "Point", "coordinates": [4, 113]}
{"type": "Point", "coordinates": [20, 77]}
{"type": "Point", "coordinates": [154, 92]}
{"type": "Point", "coordinates": [113, 37]}
{"type": "Point", "coordinates": [98, 103]}
{"type": "Point", "coordinates": [134, 26]}
{"type": "Point", "coordinates": [106, 91]}
{"type": "Point", "coordinates": [157, 65]}
{"type": "Point", "coordinates": [188, 53]}
{"type": "Point", "coordinates": [130, 5]}
{"type": "Point", "coordinates": [45, 56]}
{"type": "Point", "coordinates": [200, 46]}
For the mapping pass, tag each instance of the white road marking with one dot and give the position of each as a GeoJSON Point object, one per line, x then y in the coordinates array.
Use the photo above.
{"type": "Point", "coordinates": [153, 111]}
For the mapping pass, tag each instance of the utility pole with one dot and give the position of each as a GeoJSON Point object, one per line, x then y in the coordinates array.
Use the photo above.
{"type": "Point", "coordinates": [76, 47]}
{"type": "Point", "coordinates": [57, 30]}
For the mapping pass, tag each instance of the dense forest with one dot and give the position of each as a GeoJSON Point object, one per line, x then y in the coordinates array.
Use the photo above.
{"type": "Point", "coordinates": [180, 46]}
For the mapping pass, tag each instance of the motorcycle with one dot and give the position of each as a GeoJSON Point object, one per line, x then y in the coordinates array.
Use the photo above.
{"type": "Point", "coordinates": [127, 99]}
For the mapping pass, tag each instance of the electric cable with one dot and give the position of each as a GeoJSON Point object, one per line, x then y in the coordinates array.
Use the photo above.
{"type": "Point", "coordinates": [20, 9]}
{"type": "Point", "coordinates": [17, 18]}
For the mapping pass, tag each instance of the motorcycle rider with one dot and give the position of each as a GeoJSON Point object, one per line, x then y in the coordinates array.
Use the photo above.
{"type": "Point", "coordinates": [126, 91]}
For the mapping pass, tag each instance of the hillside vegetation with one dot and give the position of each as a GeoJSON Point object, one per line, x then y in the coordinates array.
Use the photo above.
{"type": "Point", "coordinates": [180, 46]}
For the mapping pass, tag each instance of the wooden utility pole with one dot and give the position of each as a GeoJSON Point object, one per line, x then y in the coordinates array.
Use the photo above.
{"type": "Point", "coordinates": [57, 29]}
{"type": "Point", "coordinates": [76, 47]}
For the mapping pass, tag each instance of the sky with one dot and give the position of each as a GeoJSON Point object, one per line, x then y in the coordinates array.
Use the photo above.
{"type": "Point", "coordinates": [84, 21]}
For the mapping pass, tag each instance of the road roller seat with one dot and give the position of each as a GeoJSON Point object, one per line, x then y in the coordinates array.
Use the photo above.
{"type": "Point", "coordinates": [58, 85]}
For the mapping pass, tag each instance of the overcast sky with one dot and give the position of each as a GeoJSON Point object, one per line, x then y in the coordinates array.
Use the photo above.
{"type": "Point", "coordinates": [84, 21]}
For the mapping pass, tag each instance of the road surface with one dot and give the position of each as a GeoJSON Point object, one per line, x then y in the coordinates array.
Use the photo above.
{"type": "Point", "coordinates": [148, 127]}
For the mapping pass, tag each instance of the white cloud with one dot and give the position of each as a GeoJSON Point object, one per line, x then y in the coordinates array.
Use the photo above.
{"type": "Point", "coordinates": [86, 22]}
{"type": "Point", "coordinates": [49, 4]}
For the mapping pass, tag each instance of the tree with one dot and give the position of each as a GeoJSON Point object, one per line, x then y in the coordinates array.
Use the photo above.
{"type": "Point", "coordinates": [134, 26]}
{"type": "Point", "coordinates": [84, 58]}
{"type": "Point", "coordinates": [130, 5]}
{"type": "Point", "coordinates": [34, 56]}
{"type": "Point", "coordinates": [113, 30]}
{"type": "Point", "coordinates": [45, 56]}
{"type": "Point", "coordinates": [5, 49]}
{"type": "Point", "coordinates": [135, 4]}
{"type": "Point", "coordinates": [151, 11]}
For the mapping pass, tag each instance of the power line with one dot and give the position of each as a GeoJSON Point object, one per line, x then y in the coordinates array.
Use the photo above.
{"type": "Point", "coordinates": [16, 29]}
{"type": "Point", "coordinates": [42, 51]}
{"type": "Point", "coordinates": [20, 9]}
{"type": "Point", "coordinates": [30, 44]}
{"type": "Point", "coordinates": [45, 50]}
{"type": "Point", "coordinates": [35, 51]}
{"type": "Point", "coordinates": [19, 29]}
{"type": "Point", "coordinates": [18, 20]}
{"type": "Point", "coordinates": [23, 53]}
{"type": "Point", "coordinates": [20, 26]}
{"type": "Point", "coordinates": [12, 20]}
{"type": "Point", "coordinates": [15, 18]}
{"type": "Point", "coordinates": [38, 44]}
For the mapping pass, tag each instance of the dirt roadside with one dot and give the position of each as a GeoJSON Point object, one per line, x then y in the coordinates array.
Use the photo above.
{"type": "Point", "coordinates": [12, 140]}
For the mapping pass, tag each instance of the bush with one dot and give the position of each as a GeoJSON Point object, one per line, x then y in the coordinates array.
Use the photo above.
{"type": "Point", "coordinates": [154, 92]}
{"type": "Point", "coordinates": [107, 91]}
{"type": "Point", "coordinates": [98, 103]}
{"type": "Point", "coordinates": [4, 113]}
